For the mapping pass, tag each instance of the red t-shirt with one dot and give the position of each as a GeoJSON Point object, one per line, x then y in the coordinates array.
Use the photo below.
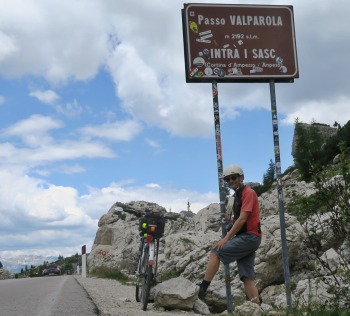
{"type": "Point", "coordinates": [250, 203]}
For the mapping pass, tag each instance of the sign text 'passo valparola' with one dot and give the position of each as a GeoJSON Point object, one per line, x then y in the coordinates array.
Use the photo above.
{"type": "Point", "coordinates": [242, 20]}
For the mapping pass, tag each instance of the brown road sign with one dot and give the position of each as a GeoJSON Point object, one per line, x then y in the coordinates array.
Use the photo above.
{"type": "Point", "coordinates": [239, 43]}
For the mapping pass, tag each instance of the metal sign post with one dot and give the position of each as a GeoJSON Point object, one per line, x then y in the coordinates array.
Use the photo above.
{"type": "Point", "coordinates": [242, 43]}
{"type": "Point", "coordinates": [221, 188]}
{"type": "Point", "coordinates": [280, 194]}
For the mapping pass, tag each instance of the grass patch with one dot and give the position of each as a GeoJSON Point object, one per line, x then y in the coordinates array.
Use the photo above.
{"type": "Point", "coordinates": [187, 241]}
{"type": "Point", "coordinates": [112, 273]}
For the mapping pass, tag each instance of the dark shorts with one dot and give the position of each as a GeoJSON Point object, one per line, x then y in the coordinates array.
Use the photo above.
{"type": "Point", "coordinates": [240, 248]}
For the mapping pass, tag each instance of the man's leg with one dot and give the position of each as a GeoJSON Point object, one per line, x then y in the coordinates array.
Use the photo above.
{"type": "Point", "coordinates": [251, 290]}
{"type": "Point", "coordinates": [212, 268]}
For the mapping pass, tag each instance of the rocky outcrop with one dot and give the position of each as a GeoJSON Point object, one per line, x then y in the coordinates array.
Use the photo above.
{"type": "Point", "coordinates": [292, 187]}
{"type": "Point", "coordinates": [268, 263]}
{"type": "Point", "coordinates": [325, 132]}
{"type": "Point", "coordinates": [184, 250]}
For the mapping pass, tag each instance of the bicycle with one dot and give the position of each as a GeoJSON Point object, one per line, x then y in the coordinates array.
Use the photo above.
{"type": "Point", "coordinates": [151, 227]}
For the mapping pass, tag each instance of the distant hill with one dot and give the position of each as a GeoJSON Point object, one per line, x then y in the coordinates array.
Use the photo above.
{"type": "Point", "coordinates": [16, 263]}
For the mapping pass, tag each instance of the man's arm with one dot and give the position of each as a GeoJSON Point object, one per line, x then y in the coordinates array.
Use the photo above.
{"type": "Point", "coordinates": [241, 220]}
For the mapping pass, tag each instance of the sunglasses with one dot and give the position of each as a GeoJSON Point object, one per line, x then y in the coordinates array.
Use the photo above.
{"type": "Point", "coordinates": [233, 178]}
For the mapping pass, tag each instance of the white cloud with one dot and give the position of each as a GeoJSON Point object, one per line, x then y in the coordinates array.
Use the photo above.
{"type": "Point", "coordinates": [153, 185]}
{"type": "Point", "coordinates": [56, 40]}
{"type": "Point", "coordinates": [172, 199]}
{"type": "Point", "coordinates": [152, 143]}
{"type": "Point", "coordinates": [72, 169]}
{"type": "Point", "coordinates": [116, 131]}
{"type": "Point", "coordinates": [70, 150]}
{"type": "Point", "coordinates": [50, 97]}
{"type": "Point", "coordinates": [70, 109]}
{"type": "Point", "coordinates": [7, 46]}
{"type": "Point", "coordinates": [324, 111]}
{"type": "Point", "coordinates": [34, 124]}
{"type": "Point", "coordinates": [47, 96]}
{"type": "Point", "coordinates": [40, 148]}
{"type": "Point", "coordinates": [33, 131]}
{"type": "Point", "coordinates": [43, 155]}
{"type": "Point", "coordinates": [34, 213]}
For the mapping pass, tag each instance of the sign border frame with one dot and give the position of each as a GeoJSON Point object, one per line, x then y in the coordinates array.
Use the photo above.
{"type": "Point", "coordinates": [245, 79]}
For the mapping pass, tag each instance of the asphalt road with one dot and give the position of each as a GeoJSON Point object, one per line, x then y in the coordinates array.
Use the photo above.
{"type": "Point", "coordinates": [45, 296]}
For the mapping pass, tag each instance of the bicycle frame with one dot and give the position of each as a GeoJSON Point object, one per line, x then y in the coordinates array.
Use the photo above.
{"type": "Point", "coordinates": [147, 268]}
{"type": "Point", "coordinates": [152, 247]}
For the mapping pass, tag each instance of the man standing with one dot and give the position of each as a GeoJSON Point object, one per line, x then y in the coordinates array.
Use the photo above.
{"type": "Point", "coordinates": [242, 240]}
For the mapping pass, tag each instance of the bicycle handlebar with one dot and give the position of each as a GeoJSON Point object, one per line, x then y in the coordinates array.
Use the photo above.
{"type": "Point", "coordinates": [146, 213]}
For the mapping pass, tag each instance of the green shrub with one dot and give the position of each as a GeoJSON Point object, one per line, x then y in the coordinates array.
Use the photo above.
{"type": "Point", "coordinates": [305, 206]}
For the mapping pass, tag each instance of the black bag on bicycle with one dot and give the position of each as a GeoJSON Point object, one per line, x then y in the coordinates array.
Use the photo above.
{"type": "Point", "coordinates": [151, 226]}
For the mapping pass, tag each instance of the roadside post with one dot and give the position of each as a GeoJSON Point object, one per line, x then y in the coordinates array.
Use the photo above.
{"type": "Point", "coordinates": [83, 261]}
{"type": "Point", "coordinates": [245, 44]}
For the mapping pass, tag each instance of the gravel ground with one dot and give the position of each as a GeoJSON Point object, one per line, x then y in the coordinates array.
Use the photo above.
{"type": "Point", "coordinates": [113, 298]}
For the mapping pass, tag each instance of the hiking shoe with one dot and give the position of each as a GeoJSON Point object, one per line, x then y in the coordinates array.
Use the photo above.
{"type": "Point", "coordinates": [201, 292]}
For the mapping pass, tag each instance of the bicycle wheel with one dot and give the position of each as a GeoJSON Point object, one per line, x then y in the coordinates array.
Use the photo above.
{"type": "Point", "coordinates": [139, 272]}
{"type": "Point", "coordinates": [138, 280]}
{"type": "Point", "coordinates": [145, 279]}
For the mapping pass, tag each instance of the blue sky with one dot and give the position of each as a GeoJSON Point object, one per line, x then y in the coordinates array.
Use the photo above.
{"type": "Point", "coordinates": [95, 109]}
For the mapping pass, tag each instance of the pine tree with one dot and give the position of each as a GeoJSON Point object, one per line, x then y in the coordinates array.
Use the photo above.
{"type": "Point", "coordinates": [270, 176]}
{"type": "Point", "coordinates": [268, 179]}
